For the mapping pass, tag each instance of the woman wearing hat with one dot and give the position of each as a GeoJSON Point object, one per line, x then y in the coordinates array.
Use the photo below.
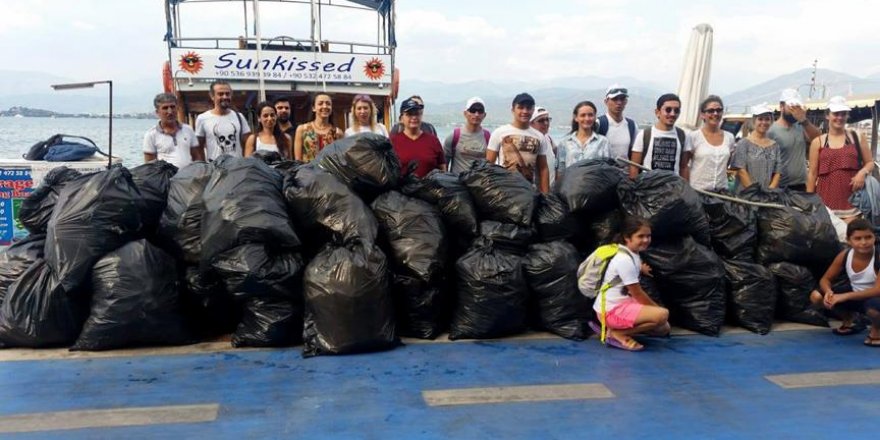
{"type": "Point", "coordinates": [363, 117]}
{"type": "Point", "coordinates": [839, 162]}
{"type": "Point", "coordinates": [413, 144]}
{"type": "Point", "coordinates": [756, 158]}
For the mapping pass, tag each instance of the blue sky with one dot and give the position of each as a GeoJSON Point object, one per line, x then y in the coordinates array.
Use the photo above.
{"type": "Point", "coordinates": [460, 40]}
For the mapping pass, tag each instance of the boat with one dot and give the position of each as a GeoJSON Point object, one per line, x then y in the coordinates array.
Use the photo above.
{"type": "Point", "coordinates": [266, 64]}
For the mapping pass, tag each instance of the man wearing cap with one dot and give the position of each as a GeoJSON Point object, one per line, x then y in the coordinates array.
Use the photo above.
{"type": "Point", "coordinates": [426, 127]}
{"type": "Point", "coordinates": [620, 130]}
{"type": "Point", "coordinates": [467, 144]}
{"type": "Point", "coordinates": [793, 132]}
{"type": "Point", "coordinates": [541, 121]}
{"type": "Point", "coordinates": [413, 144]}
{"type": "Point", "coordinates": [520, 148]}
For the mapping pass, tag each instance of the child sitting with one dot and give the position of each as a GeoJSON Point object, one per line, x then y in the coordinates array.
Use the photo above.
{"type": "Point", "coordinates": [628, 310]}
{"type": "Point", "coordinates": [861, 269]}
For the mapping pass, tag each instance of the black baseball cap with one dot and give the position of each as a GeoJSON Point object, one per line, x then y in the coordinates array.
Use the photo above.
{"type": "Point", "coordinates": [410, 105]}
{"type": "Point", "coordinates": [524, 99]}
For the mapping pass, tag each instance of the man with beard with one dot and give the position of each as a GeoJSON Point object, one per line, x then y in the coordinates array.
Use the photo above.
{"type": "Point", "coordinates": [663, 146]}
{"type": "Point", "coordinates": [221, 130]}
{"type": "Point", "coordinates": [282, 110]}
{"type": "Point", "coordinates": [520, 148]}
{"type": "Point", "coordinates": [793, 132]}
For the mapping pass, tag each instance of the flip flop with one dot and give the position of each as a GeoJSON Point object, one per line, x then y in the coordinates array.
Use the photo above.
{"type": "Point", "coordinates": [846, 330]}
{"type": "Point", "coordinates": [872, 342]}
{"type": "Point", "coordinates": [612, 342]}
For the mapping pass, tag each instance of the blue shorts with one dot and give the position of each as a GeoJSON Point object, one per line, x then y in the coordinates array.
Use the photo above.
{"type": "Point", "coordinates": [861, 306]}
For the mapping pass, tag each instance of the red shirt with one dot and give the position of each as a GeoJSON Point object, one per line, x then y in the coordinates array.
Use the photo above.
{"type": "Point", "coordinates": [425, 149]}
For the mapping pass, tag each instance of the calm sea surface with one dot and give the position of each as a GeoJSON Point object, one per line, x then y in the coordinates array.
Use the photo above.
{"type": "Point", "coordinates": [18, 134]}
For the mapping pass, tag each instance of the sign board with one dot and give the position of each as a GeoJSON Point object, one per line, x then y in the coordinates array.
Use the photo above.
{"type": "Point", "coordinates": [275, 65]}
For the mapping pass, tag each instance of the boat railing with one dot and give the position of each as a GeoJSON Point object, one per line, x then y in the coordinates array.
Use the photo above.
{"type": "Point", "coordinates": [284, 43]}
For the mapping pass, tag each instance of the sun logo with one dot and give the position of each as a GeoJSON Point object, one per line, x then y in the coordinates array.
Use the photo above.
{"type": "Point", "coordinates": [191, 62]}
{"type": "Point", "coordinates": [374, 69]}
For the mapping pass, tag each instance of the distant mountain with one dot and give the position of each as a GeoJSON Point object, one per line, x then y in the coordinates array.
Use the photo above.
{"type": "Point", "coordinates": [32, 89]}
{"type": "Point", "coordinates": [828, 83]}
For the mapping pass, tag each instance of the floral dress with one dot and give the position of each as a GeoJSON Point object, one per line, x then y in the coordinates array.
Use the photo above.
{"type": "Point", "coordinates": [314, 142]}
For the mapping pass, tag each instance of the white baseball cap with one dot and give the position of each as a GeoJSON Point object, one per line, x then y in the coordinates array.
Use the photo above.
{"type": "Point", "coordinates": [539, 111]}
{"type": "Point", "coordinates": [838, 104]}
{"type": "Point", "coordinates": [475, 100]}
{"type": "Point", "coordinates": [791, 97]}
{"type": "Point", "coordinates": [761, 109]}
{"type": "Point", "coordinates": [615, 90]}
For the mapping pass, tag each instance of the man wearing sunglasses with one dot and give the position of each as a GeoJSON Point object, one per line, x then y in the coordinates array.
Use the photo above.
{"type": "Point", "coordinates": [663, 146]}
{"type": "Point", "coordinates": [620, 130]}
{"type": "Point", "coordinates": [520, 148]}
{"type": "Point", "coordinates": [467, 144]}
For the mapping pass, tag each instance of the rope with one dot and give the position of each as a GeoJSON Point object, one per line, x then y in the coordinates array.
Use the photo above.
{"type": "Point", "coordinates": [711, 194]}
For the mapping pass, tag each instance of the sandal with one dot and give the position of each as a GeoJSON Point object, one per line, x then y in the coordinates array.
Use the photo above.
{"type": "Point", "coordinates": [872, 342]}
{"type": "Point", "coordinates": [630, 344]}
{"type": "Point", "coordinates": [850, 329]}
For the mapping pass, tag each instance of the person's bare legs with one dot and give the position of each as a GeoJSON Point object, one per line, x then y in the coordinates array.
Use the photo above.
{"type": "Point", "coordinates": [650, 318]}
{"type": "Point", "coordinates": [845, 316]}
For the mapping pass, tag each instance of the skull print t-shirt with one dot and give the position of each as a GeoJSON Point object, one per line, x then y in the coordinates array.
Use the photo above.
{"type": "Point", "coordinates": [222, 133]}
{"type": "Point", "coordinates": [518, 149]}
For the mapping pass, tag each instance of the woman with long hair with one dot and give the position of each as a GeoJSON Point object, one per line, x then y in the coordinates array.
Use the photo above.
{"type": "Point", "coordinates": [268, 136]}
{"type": "Point", "coordinates": [313, 136]}
{"type": "Point", "coordinates": [582, 142]}
{"type": "Point", "coordinates": [363, 117]}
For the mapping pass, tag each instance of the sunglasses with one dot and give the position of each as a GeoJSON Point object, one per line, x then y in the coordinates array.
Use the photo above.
{"type": "Point", "coordinates": [672, 110]}
{"type": "Point", "coordinates": [476, 110]}
{"type": "Point", "coordinates": [714, 111]}
{"type": "Point", "coordinates": [615, 91]}
{"type": "Point", "coordinates": [543, 120]}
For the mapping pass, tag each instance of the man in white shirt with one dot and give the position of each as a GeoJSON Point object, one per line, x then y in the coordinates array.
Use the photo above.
{"type": "Point", "coordinates": [663, 146]}
{"type": "Point", "coordinates": [520, 148]}
{"type": "Point", "coordinates": [221, 130]}
{"type": "Point", "coordinates": [467, 144]}
{"type": "Point", "coordinates": [169, 140]}
{"type": "Point", "coordinates": [620, 130]}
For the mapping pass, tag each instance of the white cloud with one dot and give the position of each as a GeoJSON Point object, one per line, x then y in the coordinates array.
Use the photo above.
{"type": "Point", "coordinates": [82, 25]}
{"type": "Point", "coordinates": [19, 16]}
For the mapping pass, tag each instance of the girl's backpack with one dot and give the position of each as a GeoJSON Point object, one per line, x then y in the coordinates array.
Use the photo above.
{"type": "Point", "coordinates": [591, 273]}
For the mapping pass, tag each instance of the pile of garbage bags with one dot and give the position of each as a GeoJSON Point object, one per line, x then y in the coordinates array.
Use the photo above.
{"type": "Point", "coordinates": [343, 255]}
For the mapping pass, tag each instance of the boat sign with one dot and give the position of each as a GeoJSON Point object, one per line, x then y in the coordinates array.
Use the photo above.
{"type": "Point", "coordinates": [274, 65]}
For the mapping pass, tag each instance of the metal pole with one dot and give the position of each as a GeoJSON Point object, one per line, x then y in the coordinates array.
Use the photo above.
{"type": "Point", "coordinates": [110, 135]}
{"type": "Point", "coordinates": [259, 48]}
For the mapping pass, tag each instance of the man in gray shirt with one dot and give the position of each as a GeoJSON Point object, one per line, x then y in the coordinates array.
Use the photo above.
{"type": "Point", "coordinates": [467, 144]}
{"type": "Point", "coordinates": [793, 132]}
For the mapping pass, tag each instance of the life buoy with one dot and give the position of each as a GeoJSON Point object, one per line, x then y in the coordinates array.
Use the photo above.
{"type": "Point", "coordinates": [395, 83]}
{"type": "Point", "coordinates": [167, 78]}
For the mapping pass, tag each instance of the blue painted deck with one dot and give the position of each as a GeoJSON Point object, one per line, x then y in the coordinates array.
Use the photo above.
{"type": "Point", "coordinates": [684, 387]}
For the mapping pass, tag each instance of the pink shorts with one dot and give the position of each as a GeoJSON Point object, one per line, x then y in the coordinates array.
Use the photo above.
{"type": "Point", "coordinates": [624, 315]}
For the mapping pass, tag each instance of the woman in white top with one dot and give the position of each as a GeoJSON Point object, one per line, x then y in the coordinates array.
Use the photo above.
{"type": "Point", "coordinates": [582, 142]}
{"type": "Point", "coordinates": [363, 117]}
{"type": "Point", "coordinates": [711, 148]}
{"type": "Point", "coordinates": [268, 136]}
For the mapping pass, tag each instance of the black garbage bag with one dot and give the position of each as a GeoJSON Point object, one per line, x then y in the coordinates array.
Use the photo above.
{"type": "Point", "coordinates": [135, 301]}
{"type": "Point", "coordinates": [348, 308]}
{"type": "Point", "coordinates": [801, 233]}
{"type": "Point", "coordinates": [752, 299]}
{"type": "Point", "coordinates": [180, 227]}
{"type": "Point", "coordinates": [36, 209]}
{"type": "Point", "coordinates": [153, 180]}
{"type": "Point", "coordinates": [271, 158]}
{"type": "Point", "coordinates": [269, 322]}
{"type": "Point", "coordinates": [551, 271]}
{"type": "Point", "coordinates": [492, 293]}
{"type": "Point", "coordinates": [326, 209]}
{"type": "Point", "coordinates": [553, 220]}
{"type": "Point", "coordinates": [419, 306]}
{"type": "Point", "coordinates": [95, 214]}
{"type": "Point", "coordinates": [606, 226]}
{"type": "Point", "coordinates": [207, 309]}
{"type": "Point", "coordinates": [256, 270]}
{"type": "Point", "coordinates": [690, 278]}
{"type": "Point", "coordinates": [733, 226]}
{"type": "Point", "coordinates": [499, 194]}
{"type": "Point", "coordinates": [591, 186]}
{"type": "Point", "coordinates": [415, 234]}
{"type": "Point", "coordinates": [649, 285]}
{"type": "Point", "coordinates": [244, 204]}
{"type": "Point", "coordinates": [38, 312]}
{"type": "Point", "coordinates": [507, 236]}
{"type": "Point", "coordinates": [795, 284]}
{"type": "Point", "coordinates": [668, 202]}
{"type": "Point", "coordinates": [450, 195]}
{"type": "Point", "coordinates": [17, 258]}
{"type": "Point", "coordinates": [365, 162]}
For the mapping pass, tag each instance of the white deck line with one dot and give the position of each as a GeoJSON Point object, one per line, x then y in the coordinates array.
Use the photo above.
{"type": "Point", "coordinates": [826, 379]}
{"type": "Point", "coordinates": [106, 418]}
{"type": "Point", "coordinates": [40, 354]}
{"type": "Point", "coordinates": [527, 393]}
